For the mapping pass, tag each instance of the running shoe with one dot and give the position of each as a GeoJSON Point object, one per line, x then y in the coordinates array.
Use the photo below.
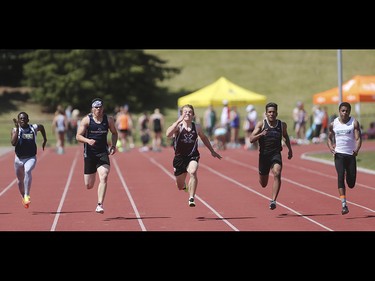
{"type": "Point", "coordinates": [186, 188]}
{"type": "Point", "coordinates": [99, 209]}
{"type": "Point", "coordinates": [272, 205]}
{"type": "Point", "coordinates": [26, 201]}
{"type": "Point", "coordinates": [191, 202]}
{"type": "Point", "coordinates": [344, 210]}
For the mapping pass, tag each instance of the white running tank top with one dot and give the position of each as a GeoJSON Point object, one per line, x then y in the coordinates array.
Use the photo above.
{"type": "Point", "coordinates": [60, 123]}
{"type": "Point", "coordinates": [344, 135]}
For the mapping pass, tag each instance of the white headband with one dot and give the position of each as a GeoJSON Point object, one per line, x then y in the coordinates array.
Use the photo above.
{"type": "Point", "coordinates": [97, 103]}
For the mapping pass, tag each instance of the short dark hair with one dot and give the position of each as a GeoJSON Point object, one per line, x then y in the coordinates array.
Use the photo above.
{"type": "Point", "coordinates": [346, 104]}
{"type": "Point", "coordinates": [271, 104]}
{"type": "Point", "coordinates": [23, 113]}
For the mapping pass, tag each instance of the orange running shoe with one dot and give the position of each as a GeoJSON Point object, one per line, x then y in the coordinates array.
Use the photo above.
{"type": "Point", "coordinates": [26, 201]}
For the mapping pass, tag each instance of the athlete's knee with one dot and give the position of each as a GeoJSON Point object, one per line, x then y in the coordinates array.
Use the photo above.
{"type": "Point", "coordinates": [193, 174]}
{"type": "Point", "coordinates": [191, 170]}
{"type": "Point", "coordinates": [351, 184]}
{"type": "Point", "coordinates": [276, 173]}
{"type": "Point", "coordinates": [263, 183]}
{"type": "Point", "coordinates": [263, 180]}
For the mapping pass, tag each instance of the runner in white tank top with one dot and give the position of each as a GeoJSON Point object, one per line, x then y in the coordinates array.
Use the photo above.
{"type": "Point", "coordinates": [344, 135]}
{"type": "Point", "coordinates": [344, 141]}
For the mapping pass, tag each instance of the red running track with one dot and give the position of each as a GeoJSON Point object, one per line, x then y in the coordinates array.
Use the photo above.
{"type": "Point", "coordinates": [142, 195]}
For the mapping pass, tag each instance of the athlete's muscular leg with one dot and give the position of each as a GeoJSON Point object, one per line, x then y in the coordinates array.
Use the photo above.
{"type": "Point", "coordinates": [351, 172]}
{"type": "Point", "coordinates": [180, 181]}
{"type": "Point", "coordinates": [263, 180]}
{"type": "Point", "coordinates": [193, 181]}
{"type": "Point", "coordinates": [276, 171]}
{"type": "Point", "coordinates": [89, 180]}
{"type": "Point", "coordinates": [103, 172]}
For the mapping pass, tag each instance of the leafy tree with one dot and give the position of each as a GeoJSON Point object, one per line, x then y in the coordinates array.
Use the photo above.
{"type": "Point", "coordinates": [75, 77]}
{"type": "Point", "coordinates": [11, 67]}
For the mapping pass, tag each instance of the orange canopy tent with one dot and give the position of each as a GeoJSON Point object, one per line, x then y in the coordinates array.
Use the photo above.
{"type": "Point", "coordinates": [356, 90]}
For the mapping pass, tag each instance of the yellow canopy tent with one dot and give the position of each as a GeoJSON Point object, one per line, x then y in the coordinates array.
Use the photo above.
{"type": "Point", "coordinates": [358, 89]}
{"type": "Point", "coordinates": [222, 89]}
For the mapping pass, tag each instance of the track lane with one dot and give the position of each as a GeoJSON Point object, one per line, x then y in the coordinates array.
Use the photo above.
{"type": "Point", "coordinates": [142, 195]}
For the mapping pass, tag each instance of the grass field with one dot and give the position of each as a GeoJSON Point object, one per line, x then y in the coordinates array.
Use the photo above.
{"type": "Point", "coordinates": [284, 76]}
{"type": "Point", "coordinates": [364, 160]}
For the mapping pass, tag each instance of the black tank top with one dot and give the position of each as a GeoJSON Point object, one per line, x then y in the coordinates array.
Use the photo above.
{"type": "Point", "coordinates": [98, 132]}
{"type": "Point", "coordinates": [26, 144]}
{"type": "Point", "coordinates": [271, 143]}
{"type": "Point", "coordinates": [186, 142]}
{"type": "Point", "coordinates": [157, 125]}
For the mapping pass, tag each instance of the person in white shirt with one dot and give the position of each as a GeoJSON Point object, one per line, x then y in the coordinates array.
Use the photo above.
{"type": "Point", "coordinates": [344, 142]}
{"type": "Point", "coordinates": [59, 128]}
{"type": "Point", "coordinates": [225, 119]}
{"type": "Point", "coordinates": [318, 116]}
{"type": "Point", "coordinates": [249, 125]}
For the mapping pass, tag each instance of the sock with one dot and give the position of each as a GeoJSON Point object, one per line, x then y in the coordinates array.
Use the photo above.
{"type": "Point", "coordinates": [343, 200]}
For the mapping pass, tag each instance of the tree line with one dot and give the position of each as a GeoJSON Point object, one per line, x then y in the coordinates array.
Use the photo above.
{"type": "Point", "coordinates": [75, 77]}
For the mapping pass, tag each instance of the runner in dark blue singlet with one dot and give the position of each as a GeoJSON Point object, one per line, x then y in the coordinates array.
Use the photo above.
{"type": "Point", "coordinates": [92, 132]}
{"type": "Point", "coordinates": [23, 138]}
{"type": "Point", "coordinates": [270, 133]}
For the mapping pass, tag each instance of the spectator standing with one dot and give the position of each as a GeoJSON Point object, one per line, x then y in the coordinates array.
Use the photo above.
{"type": "Point", "coordinates": [249, 125]}
{"type": "Point", "coordinates": [74, 123]}
{"type": "Point", "coordinates": [295, 114]}
{"type": "Point", "coordinates": [124, 126]}
{"type": "Point", "coordinates": [143, 123]}
{"type": "Point", "coordinates": [300, 128]}
{"type": "Point", "coordinates": [157, 123]}
{"type": "Point", "coordinates": [371, 131]}
{"type": "Point", "coordinates": [318, 116]}
{"type": "Point", "coordinates": [225, 119]}
{"type": "Point", "coordinates": [69, 133]}
{"type": "Point", "coordinates": [210, 121]}
{"type": "Point", "coordinates": [235, 121]}
{"type": "Point", "coordinates": [59, 128]}
{"type": "Point", "coordinates": [325, 122]}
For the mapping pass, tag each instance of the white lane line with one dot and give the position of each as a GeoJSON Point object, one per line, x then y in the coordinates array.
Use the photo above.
{"type": "Point", "coordinates": [331, 163]}
{"type": "Point", "coordinates": [261, 195]}
{"type": "Point", "coordinates": [15, 180]}
{"type": "Point", "coordinates": [57, 216]}
{"type": "Point", "coordinates": [305, 186]}
{"type": "Point", "coordinates": [129, 195]}
{"type": "Point", "coordinates": [196, 196]}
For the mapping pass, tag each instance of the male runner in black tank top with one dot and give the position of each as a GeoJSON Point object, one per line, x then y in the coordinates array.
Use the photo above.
{"type": "Point", "coordinates": [92, 132]}
{"type": "Point", "coordinates": [185, 133]}
{"type": "Point", "coordinates": [269, 133]}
